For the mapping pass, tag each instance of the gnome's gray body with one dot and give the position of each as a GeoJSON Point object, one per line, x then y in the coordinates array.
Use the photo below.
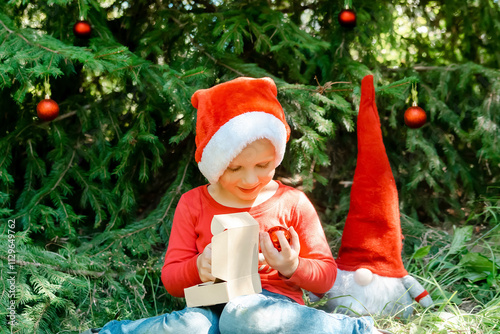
{"type": "Point", "coordinates": [382, 295]}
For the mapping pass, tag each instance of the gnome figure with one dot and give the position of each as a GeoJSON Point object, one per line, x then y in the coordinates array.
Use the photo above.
{"type": "Point", "coordinates": [371, 277]}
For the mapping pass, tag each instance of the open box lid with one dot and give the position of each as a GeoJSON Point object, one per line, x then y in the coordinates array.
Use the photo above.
{"type": "Point", "coordinates": [235, 246]}
{"type": "Point", "coordinates": [231, 220]}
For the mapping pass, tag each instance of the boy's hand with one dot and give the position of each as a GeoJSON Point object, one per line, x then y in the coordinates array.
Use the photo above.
{"type": "Point", "coordinates": [204, 264]}
{"type": "Point", "coordinates": [286, 261]}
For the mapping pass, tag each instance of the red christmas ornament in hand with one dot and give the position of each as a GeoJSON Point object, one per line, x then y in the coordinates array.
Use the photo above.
{"type": "Point", "coordinates": [82, 29]}
{"type": "Point", "coordinates": [415, 117]}
{"type": "Point", "coordinates": [47, 110]}
{"type": "Point", "coordinates": [347, 18]}
{"type": "Point", "coordinates": [274, 237]}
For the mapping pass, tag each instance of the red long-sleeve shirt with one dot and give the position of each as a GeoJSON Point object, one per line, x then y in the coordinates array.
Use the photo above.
{"type": "Point", "coordinates": [190, 234]}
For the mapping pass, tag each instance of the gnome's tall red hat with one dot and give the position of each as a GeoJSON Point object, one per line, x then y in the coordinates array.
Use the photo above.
{"type": "Point", "coordinates": [372, 237]}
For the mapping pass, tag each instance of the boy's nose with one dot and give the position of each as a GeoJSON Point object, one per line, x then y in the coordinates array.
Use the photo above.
{"type": "Point", "coordinates": [250, 178]}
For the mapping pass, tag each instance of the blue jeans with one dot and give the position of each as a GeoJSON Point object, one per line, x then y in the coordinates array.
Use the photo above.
{"type": "Point", "coordinates": [266, 312]}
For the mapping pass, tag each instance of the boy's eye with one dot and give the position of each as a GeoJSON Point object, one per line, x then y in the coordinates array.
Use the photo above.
{"type": "Point", "coordinates": [233, 169]}
{"type": "Point", "coordinates": [264, 165]}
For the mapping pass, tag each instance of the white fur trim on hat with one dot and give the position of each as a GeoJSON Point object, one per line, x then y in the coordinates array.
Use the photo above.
{"type": "Point", "coordinates": [235, 135]}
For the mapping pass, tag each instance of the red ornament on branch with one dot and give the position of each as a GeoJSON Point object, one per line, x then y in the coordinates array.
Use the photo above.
{"type": "Point", "coordinates": [415, 117]}
{"type": "Point", "coordinates": [347, 18]}
{"type": "Point", "coordinates": [47, 110]}
{"type": "Point", "coordinates": [82, 29]}
{"type": "Point", "coordinates": [274, 237]}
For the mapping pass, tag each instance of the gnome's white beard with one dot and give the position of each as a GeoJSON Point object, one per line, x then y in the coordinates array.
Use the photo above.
{"type": "Point", "coordinates": [384, 295]}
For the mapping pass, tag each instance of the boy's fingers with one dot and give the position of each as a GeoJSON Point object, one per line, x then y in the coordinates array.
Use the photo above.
{"type": "Point", "coordinates": [207, 253]}
{"type": "Point", "coordinates": [265, 240]}
{"type": "Point", "coordinates": [266, 244]}
{"type": "Point", "coordinates": [209, 257]}
{"type": "Point", "coordinates": [295, 242]}
{"type": "Point", "coordinates": [283, 242]}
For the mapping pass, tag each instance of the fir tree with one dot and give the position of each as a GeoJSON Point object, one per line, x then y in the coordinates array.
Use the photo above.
{"type": "Point", "coordinates": [93, 192]}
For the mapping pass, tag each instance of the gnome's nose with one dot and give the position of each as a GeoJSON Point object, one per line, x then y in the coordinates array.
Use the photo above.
{"type": "Point", "coordinates": [363, 276]}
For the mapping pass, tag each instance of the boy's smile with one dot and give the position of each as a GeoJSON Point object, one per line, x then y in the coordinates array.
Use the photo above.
{"type": "Point", "coordinates": [247, 179]}
{"type": "Point", "coordinates": [248, 191]}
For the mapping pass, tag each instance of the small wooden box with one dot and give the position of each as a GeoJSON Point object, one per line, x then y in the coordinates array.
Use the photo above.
{"type": "Point", "coordinates": [235, 248]}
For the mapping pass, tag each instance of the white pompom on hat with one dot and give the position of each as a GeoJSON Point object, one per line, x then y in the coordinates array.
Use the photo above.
{"type": "Point", "coordinates": [232, 115]}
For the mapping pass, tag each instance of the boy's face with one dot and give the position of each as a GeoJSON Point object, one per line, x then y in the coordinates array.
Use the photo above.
{"type": "Point", "coordinates": [249, 172]}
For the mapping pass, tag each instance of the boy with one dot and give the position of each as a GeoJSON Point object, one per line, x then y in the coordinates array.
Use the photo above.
{"type": "Point", "coordinates": [241, 135]}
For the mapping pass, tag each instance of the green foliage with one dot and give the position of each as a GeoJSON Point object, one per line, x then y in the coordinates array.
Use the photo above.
{"type": "Point", "coordinates": [461, 271]}
{"type": "Point", "coordinates": [466, 269]}
{"type": "Point", "coordinates": [93, 192]}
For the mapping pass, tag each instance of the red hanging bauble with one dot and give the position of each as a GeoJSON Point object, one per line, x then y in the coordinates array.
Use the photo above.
{"type": "Point", "coordinates": [82, 29]}
{"type": "Point", "coordinates": [274, 237]}
{"type": "Point", "coordinates": [47, 110]}
{"type": "Point", "coordinates": [415, 117]}
{"type": "Point", "coordinates": [347, 18]}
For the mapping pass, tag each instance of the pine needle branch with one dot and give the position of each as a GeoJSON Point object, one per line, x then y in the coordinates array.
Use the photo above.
{"type": "Point", "coordinates": [199, 47]}
{"type": "Point", "coordinates": [26, 40]}
{"type": "Point", "coordinates": [95, 274]}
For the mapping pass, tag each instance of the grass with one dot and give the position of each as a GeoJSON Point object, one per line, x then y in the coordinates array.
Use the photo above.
{"type": "Point", "coordinates": [460, 268]}
{"type": "Point", "coordinates": [448, 318]}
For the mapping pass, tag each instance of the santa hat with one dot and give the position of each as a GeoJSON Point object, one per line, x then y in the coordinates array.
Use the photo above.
{"type": "Point", "coordinates": [372, 236]}
{"type": "Point", "coordinates": [233, 114]}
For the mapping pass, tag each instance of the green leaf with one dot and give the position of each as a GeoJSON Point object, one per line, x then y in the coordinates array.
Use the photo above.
{"type": "Point", "coordinates": [477, 262]}
{"type": "Point", "coordinates": [421, 252]}
{"type": "Point", "coordinates": [460, 237]}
